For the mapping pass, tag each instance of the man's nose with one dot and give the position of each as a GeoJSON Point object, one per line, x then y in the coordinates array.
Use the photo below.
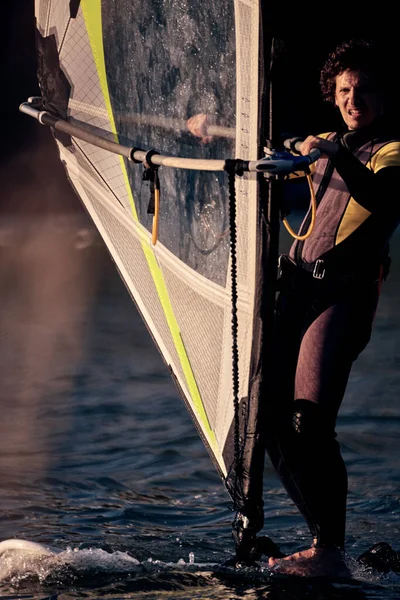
{"type": "Point", "coordinates": [355, 95]}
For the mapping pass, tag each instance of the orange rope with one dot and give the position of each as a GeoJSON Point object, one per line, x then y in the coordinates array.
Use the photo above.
{"type": "Point", "coordinates": [313, 213]}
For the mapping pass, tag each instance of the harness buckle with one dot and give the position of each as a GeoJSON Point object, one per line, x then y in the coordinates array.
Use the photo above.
{"type": "Point", "coordinates": [319, 269]}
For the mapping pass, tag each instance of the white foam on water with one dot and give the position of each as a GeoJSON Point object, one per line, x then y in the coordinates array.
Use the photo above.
{"type": "Point", "coordinates": [99, 560]}
{"type": "Point", "coordinates": [22, 559]}
{"type": "Point", "coordinates": [26, 547]}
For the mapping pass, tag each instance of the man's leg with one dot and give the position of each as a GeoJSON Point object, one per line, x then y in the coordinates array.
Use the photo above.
{"type": "Point", "coordinates": [308, 459]}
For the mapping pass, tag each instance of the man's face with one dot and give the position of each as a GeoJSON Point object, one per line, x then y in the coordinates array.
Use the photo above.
{"type": "Point", "coordinates": [357, 98]}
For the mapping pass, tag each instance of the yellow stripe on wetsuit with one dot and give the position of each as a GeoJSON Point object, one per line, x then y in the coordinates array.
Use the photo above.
{"type": "Point", "coordinates": [355, 214]}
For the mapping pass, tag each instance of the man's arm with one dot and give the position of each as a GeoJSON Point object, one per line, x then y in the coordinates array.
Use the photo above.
{"type": "Point", "coordinates": [375, 190]}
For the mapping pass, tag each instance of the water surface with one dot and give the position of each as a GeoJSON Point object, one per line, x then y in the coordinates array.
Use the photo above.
{"type": "Point", "coordinates": [100, 460]}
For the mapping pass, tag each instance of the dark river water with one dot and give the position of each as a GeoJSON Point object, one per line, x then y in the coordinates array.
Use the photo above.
{"type": "Point", "coordinates": [100, 460]}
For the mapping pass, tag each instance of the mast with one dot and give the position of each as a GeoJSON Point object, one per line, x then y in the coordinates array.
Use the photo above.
{"type": "Point", "coordinates": [268, 201]}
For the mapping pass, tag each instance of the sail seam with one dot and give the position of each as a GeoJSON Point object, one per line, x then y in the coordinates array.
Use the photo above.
{"type": "Point", "coordinates": [97, 172]}
{"type": "Point", "coordinates": [64, 36]}
{"type": "Point", "coordinates": [48, 18]}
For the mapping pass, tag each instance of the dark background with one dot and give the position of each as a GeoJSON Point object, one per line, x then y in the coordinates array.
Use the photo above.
{"type": "Point", "coordinates": [32, 178]}
{"type": "Point", "coordinates": [27, 150]}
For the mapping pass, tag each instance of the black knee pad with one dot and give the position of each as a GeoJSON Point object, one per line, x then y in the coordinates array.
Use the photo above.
{"type": "Point", "coordinates": [310, 423]}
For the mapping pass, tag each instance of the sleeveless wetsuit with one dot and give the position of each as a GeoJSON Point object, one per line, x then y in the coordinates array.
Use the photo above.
{"type": "Point", "coordinates": [329, 293]}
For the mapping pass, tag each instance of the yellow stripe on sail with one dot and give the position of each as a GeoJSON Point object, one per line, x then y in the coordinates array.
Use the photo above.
{"type": "Point", "coordinates": [92, 14]}
{"type": "Point", "coordinates": [93, 19]}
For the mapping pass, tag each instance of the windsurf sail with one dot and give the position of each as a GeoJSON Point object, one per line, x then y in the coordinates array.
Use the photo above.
{"type": "Point", "coordinates": [119, 80]}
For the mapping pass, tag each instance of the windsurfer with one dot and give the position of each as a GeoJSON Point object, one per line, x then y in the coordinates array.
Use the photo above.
{"type": "Point", "coordinates": [329, 290]}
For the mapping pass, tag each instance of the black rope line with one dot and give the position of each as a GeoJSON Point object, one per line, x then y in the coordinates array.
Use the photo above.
{"type": "Point", "coordinates": [232, 167]}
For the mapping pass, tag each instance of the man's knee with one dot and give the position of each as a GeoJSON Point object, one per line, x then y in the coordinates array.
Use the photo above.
{"type": "Point", "coordinates": [303, 432]}
{"type": "Point", "coordinates": [311, 425]}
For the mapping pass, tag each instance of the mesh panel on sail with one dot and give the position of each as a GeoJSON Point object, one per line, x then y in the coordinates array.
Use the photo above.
{"type": "Point", "coordinates": [201, 322]}
{"type": "Point", "coordinates": [130, 252]}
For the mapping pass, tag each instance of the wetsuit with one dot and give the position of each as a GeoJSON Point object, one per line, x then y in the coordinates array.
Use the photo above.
{"type": "Point", "coordinates": [329, 293]}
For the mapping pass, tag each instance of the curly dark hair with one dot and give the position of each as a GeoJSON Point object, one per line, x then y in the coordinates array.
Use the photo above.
{"type": "Point", "coordinates": [357, 54]}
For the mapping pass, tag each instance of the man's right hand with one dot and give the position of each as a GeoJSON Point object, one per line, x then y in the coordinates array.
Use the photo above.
{"type": "Point", "coordinates": [198, 126]}
{"type": "Point", "coordinates": [328, 148]}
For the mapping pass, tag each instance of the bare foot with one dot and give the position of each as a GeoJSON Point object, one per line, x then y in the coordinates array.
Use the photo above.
{"type": "Point", "coordinates": [313, 562]}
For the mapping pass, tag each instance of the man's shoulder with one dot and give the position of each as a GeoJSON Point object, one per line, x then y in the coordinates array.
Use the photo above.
{"type": "Point", "coordinates": [387, 155]}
